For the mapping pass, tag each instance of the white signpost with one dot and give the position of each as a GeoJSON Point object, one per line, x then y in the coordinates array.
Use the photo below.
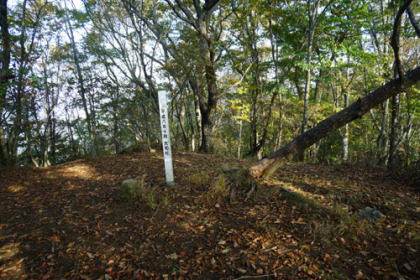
{"type": "Point", "coordinates": [166, 139]}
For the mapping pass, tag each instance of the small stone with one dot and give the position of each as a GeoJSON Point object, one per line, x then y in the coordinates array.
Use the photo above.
{"type": "Point", "coordinates": [370, 214]}
{"type": "Point", "coordinates": [392, 230]}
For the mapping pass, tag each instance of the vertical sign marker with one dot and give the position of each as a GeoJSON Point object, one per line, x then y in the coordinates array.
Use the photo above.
{"type": "Point", "coordinates": [166, 139]}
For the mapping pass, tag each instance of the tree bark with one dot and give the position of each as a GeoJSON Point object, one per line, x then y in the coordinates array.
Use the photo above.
{"type": "Point", "coordinates": [356, 110]}
{"type": "Point", "coordinates": [5, 71]}
{"type": "Point", "coordinates": [394, 137]}
{"type": "Point", "coordinates": [345, 134]}
{"type": "Point", "coordinates": [209, 111]}
{"type": "Point", "coordinates": [274, 57]}
{"type": "Point", "coordinates": [395, 110]}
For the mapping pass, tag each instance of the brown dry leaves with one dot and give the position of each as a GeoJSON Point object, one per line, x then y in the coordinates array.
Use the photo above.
{"type": "Point", "coordinates": [68, 222]}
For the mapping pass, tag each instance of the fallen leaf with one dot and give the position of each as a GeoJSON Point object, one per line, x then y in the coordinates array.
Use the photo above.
{"type": "Point", "coordinates": [241, 270]}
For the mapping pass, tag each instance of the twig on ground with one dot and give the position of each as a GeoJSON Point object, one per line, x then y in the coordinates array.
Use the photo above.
{"type": "Point", "coordinates": [255, 277]}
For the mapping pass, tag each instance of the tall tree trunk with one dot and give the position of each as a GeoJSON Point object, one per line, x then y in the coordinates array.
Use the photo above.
{"type": "Point", "coordinates": [345, 130]}
{"type": "Point", "coordinates": [208, 110]}
{"type": "Point", "coordinates": [17, 124]}
{"type": "Point", "coordinates": [48, 126]}
{"type": "Point", "coordinates": [312, 14]}
{"type": "Point", "coordinates": [276, 87]}
{"type": "Point", "coordinates": [81, 84]}
{"type": "Point", "coordinates": [74, 147]}
{"type": "Point", "coordinates": [395, 113]}
{"type": "Point", "coordinates": [4, 78]}
{"type": "Point", "coordinates": [345, 136]}
{"type": "Point", "coordinates": [197, 95]}
{"type": "Point", "coordinates": [393, 142]}
{"type": "Point", "coordinates": [356, 110]}
{"type": "Point", "coordinates": [53, 138]}
{"type": "Point", "coordinates": [201, 21]}
{"type": "Point", "coordinates": [116, 131]}
{"type": "Point", "coordinates": [382, 140]}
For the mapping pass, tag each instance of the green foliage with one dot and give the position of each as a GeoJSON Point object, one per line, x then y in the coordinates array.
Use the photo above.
{"type": "Point", "coordinates": [219, 190]}
{"type": "Point", "coordinates": [126, 51]}
{"type": "Point", "coordinates": [329, 151]}
{"type": "Point", "coordinates": [139, 191]}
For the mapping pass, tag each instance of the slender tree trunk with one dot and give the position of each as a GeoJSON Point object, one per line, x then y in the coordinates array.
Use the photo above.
{"type": "Point", "coordinates": [382, 140]}
{"type": "Point", "coordinates": [53, 139]}
{"type": "Point", "coordinates": [191, 123]}
{"type": "Point", "coordinates": [81, 83]}
{"type": "Point", "coordinates": [345, 130]}
{"type": "Point", "coordinates": [276, 88]}
{"type": "Point", "coordinates": [48, 126]}
{"type": "Point", "coordinates": [345, 136]}
{"type": "Point", "coordinates": [239, 151]}
{"type": "Point", "coordinates": [393, 142]}
{"type": "Point", "coordinates": [74, 147]}
{"type": "Point", "coordinates": [198, 117]}
{"type": "Point", "coordinates": [253, 137]}
{"type": "Point", "coordinates": [116, 139]}
{"type": "Point", "coordinates": [318, 88]}
{"type": "Point", "coordinates": [312, 12]}
{"type": "Point", "coordinates": [395, 116]}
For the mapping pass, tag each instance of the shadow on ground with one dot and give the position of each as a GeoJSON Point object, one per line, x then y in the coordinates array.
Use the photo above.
{"type": "Point", "coordinates": [68, 222]}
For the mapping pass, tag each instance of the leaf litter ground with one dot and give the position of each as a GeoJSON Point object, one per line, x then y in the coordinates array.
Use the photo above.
{"type": "Point", "coordinates": [69, 222]}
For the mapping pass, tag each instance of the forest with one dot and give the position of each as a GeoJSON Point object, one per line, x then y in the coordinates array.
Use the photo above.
{"type": "Point", "coordinates": [315, 104]}
{"type": "Point", "coordinates": [80, 79]}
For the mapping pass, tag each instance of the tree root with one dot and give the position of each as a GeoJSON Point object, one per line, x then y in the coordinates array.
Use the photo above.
{"type": "Point", "coordinates": [247, 193]}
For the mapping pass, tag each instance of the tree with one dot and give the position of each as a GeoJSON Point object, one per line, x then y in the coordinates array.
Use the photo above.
{"type": "Point", "coordinates": [200, 18]}
{"type": "Point", "coordinates": [21, 50]}
{"type": "Point", "coordinates": [4, 77]}
{"type": "Point", "coordinates": [356, 110]}
{"type": "Point", "coordinates": [81, 83]}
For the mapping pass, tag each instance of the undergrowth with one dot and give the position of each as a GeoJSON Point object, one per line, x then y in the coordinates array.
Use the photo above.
{"type": "Point", "coordinates": [140, 192]}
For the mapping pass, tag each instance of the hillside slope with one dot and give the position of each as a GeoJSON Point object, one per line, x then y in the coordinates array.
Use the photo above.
{"type": "Point", "coordinates": [69, 221]}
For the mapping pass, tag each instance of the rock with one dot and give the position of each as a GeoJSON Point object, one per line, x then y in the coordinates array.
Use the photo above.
{"type": "Point", "coordinates": [370, 214]}
{"type": "Point", "coordinates": [392, 230]}
{"type": "Point", "coordinates": [142, 147]}
{"type": "Point", "coordinates": [129, 183]}
{"type": "Point", "coordinates": [129, 189]}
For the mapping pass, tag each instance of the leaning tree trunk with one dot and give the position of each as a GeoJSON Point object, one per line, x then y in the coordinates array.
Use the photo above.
{"type": "Point", "coordinates": [356, 110]}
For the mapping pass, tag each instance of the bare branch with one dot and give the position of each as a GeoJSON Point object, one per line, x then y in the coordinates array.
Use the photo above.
{"type": "Point", "coordinates": [186, 14]}
{"type": "Point", "coordinates": [413, 21]}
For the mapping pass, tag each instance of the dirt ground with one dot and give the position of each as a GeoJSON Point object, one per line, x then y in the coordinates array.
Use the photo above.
{"type": "Point", "coordinates": [70, 222]}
